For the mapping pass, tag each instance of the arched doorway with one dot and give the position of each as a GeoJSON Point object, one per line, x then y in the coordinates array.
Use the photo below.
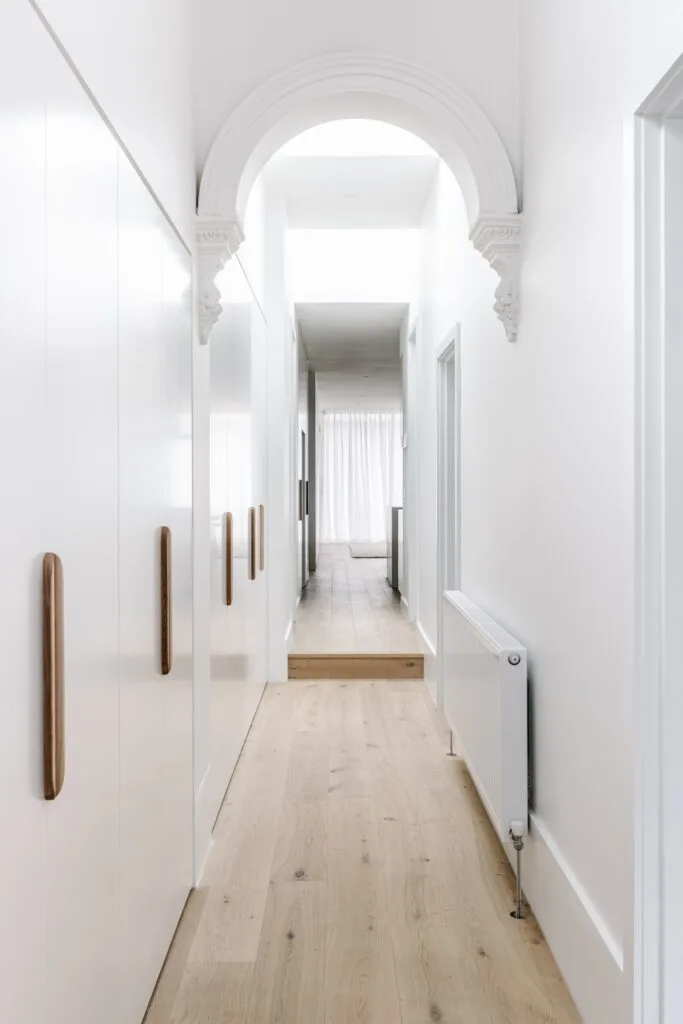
{"type": "Point", "coordinates": [344, 86]}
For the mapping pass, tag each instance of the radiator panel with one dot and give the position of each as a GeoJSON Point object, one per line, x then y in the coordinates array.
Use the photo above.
{"type": "Point", "coordinates": [485, 702]}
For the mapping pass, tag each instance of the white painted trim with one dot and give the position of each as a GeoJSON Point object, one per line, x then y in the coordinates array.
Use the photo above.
{"type": "Point", "coordinates": [656, 1000]}
{"type": "Point", "coordinates": [288, 634]}
{"type": "Point", "coordinates": [429, 647]}
{"type": "Point", "coordinates": [448, 352]}
{"type": "Point", "coordinates": [358, 85]}
{"type": "Point", "coordinates": [404, 604]}
{"type": "Point", "coordinates": [430, 662]}
{"type": "Point", "coordinates": [586, 951]}
{"type": "Point", "coordinates": [362, 85]}
{"type": "Point", "coordinates": [611, 944]}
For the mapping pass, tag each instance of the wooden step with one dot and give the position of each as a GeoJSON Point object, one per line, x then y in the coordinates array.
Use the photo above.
{"type": "Point", "coordinates": [356, 666]}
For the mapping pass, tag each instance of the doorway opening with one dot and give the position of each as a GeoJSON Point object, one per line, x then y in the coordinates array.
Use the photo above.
{"type": "Point", "coordinates": [351, 196]}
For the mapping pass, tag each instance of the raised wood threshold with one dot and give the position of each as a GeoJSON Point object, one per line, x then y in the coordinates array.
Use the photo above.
{"type": "Point", "coordinates": [356, 666]}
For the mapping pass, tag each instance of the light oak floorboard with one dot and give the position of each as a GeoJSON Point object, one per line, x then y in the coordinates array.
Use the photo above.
{"type": "Point", "coordinates": [348, 606]}
{"type": "Point", "coordinates": [355, 879]}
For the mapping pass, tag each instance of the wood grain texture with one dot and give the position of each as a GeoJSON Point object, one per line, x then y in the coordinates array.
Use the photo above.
{"type": "Point", "coordinates": [355, 879]}
{"type": "Point", "coordinates": [252, 543]}
{"type": "Point", "coordinates": [228, 558]}
{"type": "Point", "coordinates": [166, 598]}
{"type": "Point", "coordinates": [356, 666]}
{"type": "Point", "coordinates": [54, 753]}
{"type": "Point", "coordinates": [349, 606]}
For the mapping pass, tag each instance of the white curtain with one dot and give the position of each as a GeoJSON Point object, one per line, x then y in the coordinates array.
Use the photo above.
{"type": "Point", "coordinates": [361, 474]}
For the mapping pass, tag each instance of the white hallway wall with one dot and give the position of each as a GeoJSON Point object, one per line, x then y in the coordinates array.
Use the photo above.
{"type": "Point", "coordinates": [576, 384]}
{"type": "Point", "coordinates": [547, 549]}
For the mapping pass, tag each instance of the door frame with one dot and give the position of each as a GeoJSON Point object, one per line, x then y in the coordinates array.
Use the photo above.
{"type": "Point", "coordinates": [411, 483]}
{"type": "Point", "coordinates": [448, 358]}
{"type": "Point", "coordinates": [658, 705]}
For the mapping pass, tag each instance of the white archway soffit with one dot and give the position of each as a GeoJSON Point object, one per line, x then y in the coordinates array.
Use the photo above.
{"type": "Point", "coordinates": [330, 88]}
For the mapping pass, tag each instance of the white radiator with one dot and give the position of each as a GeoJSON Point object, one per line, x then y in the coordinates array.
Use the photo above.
{"type": "Point", "coordinates": [485, 702]}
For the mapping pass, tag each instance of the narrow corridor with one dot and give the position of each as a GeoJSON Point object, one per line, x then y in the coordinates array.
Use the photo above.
{"type": "Point", "coordinates": [355, 877]}
{"type": "Point", "coordinates": [348, 605]}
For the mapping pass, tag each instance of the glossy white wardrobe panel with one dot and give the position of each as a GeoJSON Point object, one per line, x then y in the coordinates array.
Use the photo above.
{"type": "Point", "coordinates": [81, 526]}
{"type": "Point", "coordinates": [259, 450]}
{"type": "Point", "coordinates": [154, 467]}
{"type": "Point", "coordinates": [23, 860]}
{"type": "Point", "coordinates": [177, 790]}
{"type": "Point", "coordinates": [238, 634]}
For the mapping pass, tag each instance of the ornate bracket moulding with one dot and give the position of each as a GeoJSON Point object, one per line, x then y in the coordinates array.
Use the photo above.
{"type": "Point", "coordinates": [497, 238]}
{"type": "Point", "coordinates": [217, 241]}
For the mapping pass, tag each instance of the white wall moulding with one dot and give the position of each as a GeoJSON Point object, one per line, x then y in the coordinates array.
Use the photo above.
{"type": "Point", "coordinates": [359, 86]}
{"type": "Point", "coordinates": [217, 241]}
{"type": "Point", "coordinates": [497, 238]}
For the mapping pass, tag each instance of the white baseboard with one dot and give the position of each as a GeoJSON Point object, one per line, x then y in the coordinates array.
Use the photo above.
{"type": "Point", "coordinates": [428, 646]}
{"type": "Point", "coordinates": [404, 604]}
{"type": "Point", "coordinates": [587, 952]}
{"type": "Point", "coordinates": [431, 668]}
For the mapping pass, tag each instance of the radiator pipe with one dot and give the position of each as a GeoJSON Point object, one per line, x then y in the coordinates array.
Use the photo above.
{"type": "Point", "coordinates": [517, 834]}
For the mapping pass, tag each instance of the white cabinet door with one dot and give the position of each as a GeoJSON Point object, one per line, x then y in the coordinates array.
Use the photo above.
{"type": "Point", "coordinates": [23, 855]}
{"type": "Point", "coordinates": [238, 631]}
{"type": "Point", "coordinates": [81, 527]}
{"type": "Point", "coordinates": [156, 709]}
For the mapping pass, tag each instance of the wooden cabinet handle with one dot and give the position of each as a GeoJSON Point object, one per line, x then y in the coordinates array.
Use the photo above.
{"type": "Point", "coordinates": [252, 543]}
{"type": "Point", "coordinates": [262, 537]}
{"type": "Point", "coordinates": [307, 510]}
{"type": "Point", "coordinates": [228, 558]}
{"type": "Point", "coordinates": [301, 501]}
{"type": "Point", "coordinates": [166, 587]}
{"type": "Point", "coordinates": [53, 676]}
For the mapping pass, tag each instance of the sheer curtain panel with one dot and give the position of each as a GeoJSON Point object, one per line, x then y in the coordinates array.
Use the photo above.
{"type": "Point", "coordinates": [360, 474]}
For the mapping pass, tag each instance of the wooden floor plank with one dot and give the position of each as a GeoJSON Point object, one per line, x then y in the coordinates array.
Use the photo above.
{"type": "Point", "coordinates": [355, 879]}
{"type": "Point", "coordinates": [341, 665]}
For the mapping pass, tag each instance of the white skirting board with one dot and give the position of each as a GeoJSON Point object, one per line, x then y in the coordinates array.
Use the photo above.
{"type": "Point", "coordinates": [587, 953]}
{"type": "Point", "coordinates": [431, 668]}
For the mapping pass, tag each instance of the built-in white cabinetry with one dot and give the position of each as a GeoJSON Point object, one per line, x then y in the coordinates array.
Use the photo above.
{"type": "Point", "coordinates": [95, 457]}
{"type": "Point", "coordinates": [154, 378]}
{"type": "Point", "coordinates": [80, 525]}
{"type": "Point", "coordinates": [238, 588]}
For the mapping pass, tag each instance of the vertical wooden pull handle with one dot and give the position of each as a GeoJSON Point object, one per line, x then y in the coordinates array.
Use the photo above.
{"type": "Point", "coordinates": [262, 537]}
{"type": "Point", "coordinates": [307, 510]}
{"type": "Point", "coordinates": [228, 558]}
{"type": "Point", "coordinates": [166, 586]}
{"type": "Point", "coordinates": [301, 500]}
{"type": "Point", "coordinates": [252, 543]}
{"type": "Point", "coordinates": [53, 676]}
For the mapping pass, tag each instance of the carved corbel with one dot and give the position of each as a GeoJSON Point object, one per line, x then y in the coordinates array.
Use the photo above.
{"type": "Point", "coordinates": [497, 238]}
{"type": "Point", "coordinates": [217, 241]}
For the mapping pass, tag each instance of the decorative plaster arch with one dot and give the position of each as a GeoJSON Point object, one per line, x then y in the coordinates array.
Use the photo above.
{"type": "Point", "coordinates": [343, 86]}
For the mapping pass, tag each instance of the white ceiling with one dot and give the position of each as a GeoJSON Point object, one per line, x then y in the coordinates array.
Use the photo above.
{"type": "Point", "coordinates": [355, 191]}
{"type": "Point", "coordinates": [355, 350]}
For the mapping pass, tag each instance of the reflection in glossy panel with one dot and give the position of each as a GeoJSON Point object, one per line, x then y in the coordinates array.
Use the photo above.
{"type": "Point", "coordinates": [238, 630]}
